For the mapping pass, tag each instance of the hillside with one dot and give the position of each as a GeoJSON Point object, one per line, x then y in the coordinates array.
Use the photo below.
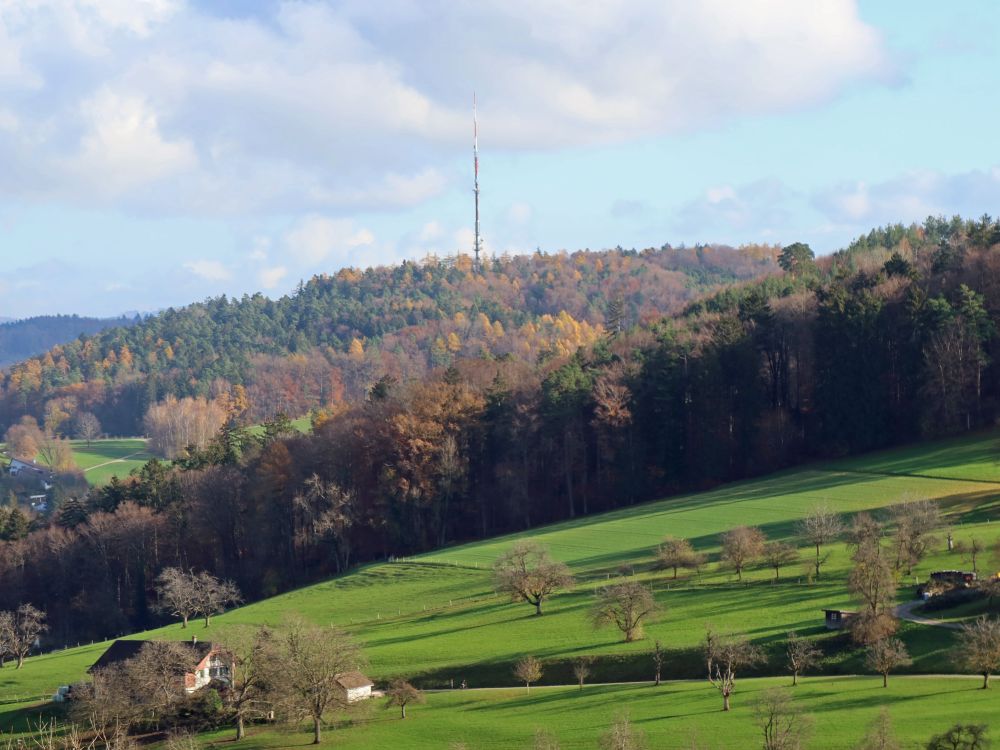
{"type": "Point", "coordinates": [21, 339]}
{"type": "Point", "coordinates": [337, 334]}
{"type": "Point", "coordinates": [435, 617]}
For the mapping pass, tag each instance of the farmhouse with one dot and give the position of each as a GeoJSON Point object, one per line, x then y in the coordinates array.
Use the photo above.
{"type": "Point", "coordinates": [355, 686]}
{"type": "Point", "coordinates": [30, 469]}
{"type": "Point", "coordinates": [838, 619]}
{"type": "Point", "coordinates": [209, 662]}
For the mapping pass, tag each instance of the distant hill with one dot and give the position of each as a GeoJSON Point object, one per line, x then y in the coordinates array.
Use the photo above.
{"type": "Point", "coordinates": [336, 335]}
{"type": "Point", "coordinates": [20, 339]}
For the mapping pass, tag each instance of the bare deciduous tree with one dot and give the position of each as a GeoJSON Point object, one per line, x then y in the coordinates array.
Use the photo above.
{"type": "Point", "coordinates": [880, 735]}
{"type": "Point", "coordinates": [581, 669]}
{"type": "Point", "coordinates": [177, 593]}
{"type": "Point", "coordinates": [247, 697]}
{"type": "Point", "coordinates": [624, 604]}
{"type": "Point", "coordinates": [961, 737]}
{"type": "Point", "coordinates": [623, 735]}
{"type": "Point", "coordinates": [731, 654]}
{"type": "Point", "coordinates": [914, 522]}
{"type": "Point", "coordinates": [528, 670]}
{"type": "Point", "coordinates": [979, 647]}
{"type": "Point", "coordinates": [188, 594]}
{"type": "Point", "coordinates": [19, 631]}
{"type": "Point", "coordinates": [820, 527]}
{"type": "Point", "coordinates": [678, 553]}
{"type": "Point", "coordinates": [303, 662]}
{"type": "Point", "coordinates": [527, 573]}
{"type": "Point", "coordinates": [873, 583]}
{"type": "Point", "coordinates": [545, 741]}
{"type": "Point", "coordinates": [778, 555]}
{"type": "Point", "coordinates": [885, 654]}
{"type": "Point", "coordinates": [802, 655]}
{"type": "Point", "coordinates": [741, 547]}
{"type": "Point", "coordinates": [88, 427]}
{"type": "Point", "coordinates": [400, 694]}
{"type": "Point", "coordinates": [659, 657]}
{"type": "Point", "coordinates": [780, 721]}
{"type": "Point", "coordinates": [970, 551]}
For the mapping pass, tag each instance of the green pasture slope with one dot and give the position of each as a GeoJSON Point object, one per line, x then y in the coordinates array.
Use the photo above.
{"type": "Point", "coordinates": [435, 617]}
{"type": "Point", "coordinates": [103, 459]}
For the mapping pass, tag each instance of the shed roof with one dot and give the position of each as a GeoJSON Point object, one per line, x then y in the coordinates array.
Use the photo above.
{"type": "Point", "coordinates": [122, 650]}
{"type": "Point", "coordinates": [353, 680]}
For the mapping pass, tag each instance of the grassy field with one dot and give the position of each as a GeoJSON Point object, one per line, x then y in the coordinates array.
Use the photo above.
{"type": "Point", "coordinates": [670, 715]}
{"type": "Point", "coordinates": [436, 618]}
{"type": "Point", "coordinates": [103, 459]}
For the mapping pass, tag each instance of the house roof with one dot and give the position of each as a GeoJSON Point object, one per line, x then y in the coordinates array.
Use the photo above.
{"type": "Point", "coordinates": [121, 651]}
{"type": "Point", "coordinates": [353, 680]}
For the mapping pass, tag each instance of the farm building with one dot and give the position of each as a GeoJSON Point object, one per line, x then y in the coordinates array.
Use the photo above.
{"type": "Point", "coordinates": [212, 662]}
{"type": "Point", "coordinates": [29, 469]}
{"type": "Point", "coordinates": [837, 619]}
{"type": "Point", "coordinates": [356, 687]}
{"type": "Point", "coordinates": [953, 577]}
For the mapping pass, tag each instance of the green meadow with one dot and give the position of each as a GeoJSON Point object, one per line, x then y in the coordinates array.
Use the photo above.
{"type": "Point", "coordinates": [435, 618]}
{"type": "Point", "coordinates": [103, 459]}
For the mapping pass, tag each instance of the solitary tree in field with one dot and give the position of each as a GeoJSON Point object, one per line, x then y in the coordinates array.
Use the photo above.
{"type": "Point", "coordinates": [581, 668]}
{"type": "Point", "coordinates": [961, 737]}
{"type": "Point", "coordinates": [19, 630]}
{"type": "Point", "coordinates": [731, 654]}
{"type": "Point", "coordinates": [979, 647]}
{"type": "Point", "coordinates": [625, 605]}
{"type": "Point", "coordinates": [214, 596]}
{"type": "Point", "coordinates": [820, 527]}
{"type": "Point", "coordinates": [778, 555]}
{"type": "Point", "coordinates": [659, 657]}
{"type": "Point", "coordinates": [873, 582]}
{"type": "Point", "coordinates": [971, 551]}
{"type": "Point", "coordinates": [401, 693]}
{"type": "Point", "coordinates": [303, 662]}
{"type": "Point", "coordinates": [802, 655]}
{"type": "Point", "coordinates": [678, 553]}
{"type": "Point", "coordinates": [623, 735]}
{"type": "Point", "coordinates": [741, 547]}
{"type": "Point", "coordinates": [527, 573]}
{"type": "Point", "coordinates": [914, 522]}
{"type": "Point", "coordinates": [247, 697]}
{"type": "Point", "coordinates": [88, 427]}
{"type": "Point", "coordinates": [880, 735]}
{"type": "Point", "coordinates": [780, 721]}
{"type": "Point", "coordinates": [885, 654]}
{"type": "Point", "coordinates": [528, 670]}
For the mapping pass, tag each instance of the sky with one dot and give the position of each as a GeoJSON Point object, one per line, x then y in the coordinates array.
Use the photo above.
{"type": "Point", "coordinates": [158, 152]}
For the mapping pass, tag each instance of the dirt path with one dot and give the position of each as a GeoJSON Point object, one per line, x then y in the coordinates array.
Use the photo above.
{"type": "Point", "coordinates": [905, 612]}
{"type": "Point", "coordinates": [113, 461]}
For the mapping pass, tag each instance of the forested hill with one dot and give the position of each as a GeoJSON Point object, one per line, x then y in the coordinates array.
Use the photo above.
{"type": "Point", "coordinates": [20, 339]}
{"type": "Point", "coordinates": [331, 339]}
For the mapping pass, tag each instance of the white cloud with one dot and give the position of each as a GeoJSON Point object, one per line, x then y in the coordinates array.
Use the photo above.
{"type": "Point", "coordinates": [210, 270]}
{"type": "Point", "coordinates": [160, 106]}
{"type": "Point", "coordinates": [753, 209]}
{"type": "Point", "coordinates": [269, 278]}
{"type": "Point", "coordinates": [316, 239]}
{"type": "Point", "coordinates": [910, 197]}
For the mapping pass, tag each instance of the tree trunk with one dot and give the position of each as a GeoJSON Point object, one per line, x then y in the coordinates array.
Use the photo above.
{"type": "Point", "coordinates": [725, 701]}
{"type": "Point", "coordinates": [986, 680]}
{"type": "Point", "coordinates": [817, 561]}
{"type": "Point", "coordinates": [885, 680]}
{"type": "Point", "coordinates": [538, 608]}
{"type": "Point", "coordinates": [184, 621]}
{"type": "Point", "coordinates": [402, 710]}
{"type": "Point", "coordinates": [795, 679]}
{"type": "Point", "coordinates": [208, 620]}
{"type": "Point", "coordinates": [20, 660]}
{"type": "Point", "coordinates": [316, 731]}
{"type": "Point", "coordinates": [241, 730]}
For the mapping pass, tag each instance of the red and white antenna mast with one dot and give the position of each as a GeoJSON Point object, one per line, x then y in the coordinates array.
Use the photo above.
{"type": "Point", "coordinates": [475, 166]}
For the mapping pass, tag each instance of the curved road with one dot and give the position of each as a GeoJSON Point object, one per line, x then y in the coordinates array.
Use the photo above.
{"type": "Point", "coordinates": [905, 612]}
